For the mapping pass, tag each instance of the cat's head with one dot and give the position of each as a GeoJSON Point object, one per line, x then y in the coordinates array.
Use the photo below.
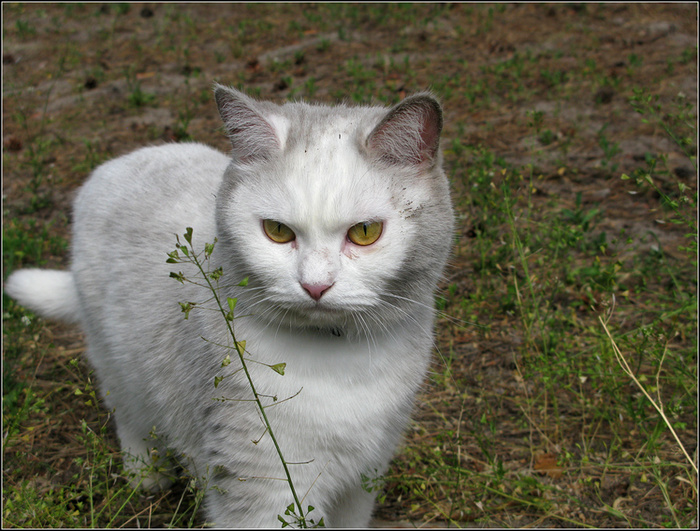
{"type": "Point", "coordinates": [340, 216]}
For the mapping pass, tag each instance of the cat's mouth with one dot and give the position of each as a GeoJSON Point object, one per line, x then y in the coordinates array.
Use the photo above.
{"type": "Point", "coordinates": [319, 310]}
{"type": "Point", "coordinates": [334, 331]}
{"type": "Point", "coordinates": [329, 314]}
{"type": "Point", "coordinates": [318, 314]}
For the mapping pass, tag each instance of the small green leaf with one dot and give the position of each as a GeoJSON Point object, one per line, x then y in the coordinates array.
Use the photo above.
{"type": "Point", "coordinates": [227, 361]}
{"type": "Point", "coordinates": [217, 380]}
{"type": "Point", "coordinates": [240, 346]}
{"type": "Point", "coordinates": [209, 248]}
{"type": "Point", "coordinates": [178, 276]}
{"type": "Point", "coordinates": [243, 283]}
{"type": "Point", "coordinates": [231, 303]}
{"type": "Point", "coordinates": [187, 307]}
{"type": "Point", "coordinates": [188, 235]}
{"type": "Point", "coordinates": [279, 368]}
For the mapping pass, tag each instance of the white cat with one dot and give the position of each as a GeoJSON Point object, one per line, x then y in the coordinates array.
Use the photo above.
{"type": "Point", "coordinates": [340, 219]}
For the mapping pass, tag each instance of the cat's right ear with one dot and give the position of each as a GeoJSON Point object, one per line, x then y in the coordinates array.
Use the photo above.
{"type": "Point", "coordinates": [254, 138]}
{"type": "Point", "coordinates": [409, 134]}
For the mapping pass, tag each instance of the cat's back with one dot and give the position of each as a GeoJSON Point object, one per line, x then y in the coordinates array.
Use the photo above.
{"type": "Point", "coordinates": [149, 194]}
{"type": "Point", "coordinates": [158, 175]}
{"type": "Point", "coordinates": [127, 214]}
{"type": "Point", "coordinates": [125, 220]}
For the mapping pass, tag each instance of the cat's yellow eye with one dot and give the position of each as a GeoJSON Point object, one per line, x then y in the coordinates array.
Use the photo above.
{"type": "Point", "coordinates": [278, 232]}
{"type": "Point", "coordinates": [365, 233]}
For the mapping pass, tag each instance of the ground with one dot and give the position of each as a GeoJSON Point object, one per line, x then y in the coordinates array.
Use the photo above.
{"type": "Point", "coordinates": [570, 145]}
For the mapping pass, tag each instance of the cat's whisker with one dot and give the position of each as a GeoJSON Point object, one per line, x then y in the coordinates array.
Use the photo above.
{"type": "Point", "coordinates": [398, 308]}
{"type": "Point", "coordinates": [440, 314]}
{"type": "Point", "coordinates": [410, 317]}
{"type": "Point", "coordinates": [379, 320]}
{"type": "Point", "coordinates": [429, 333]}
{"type": "Point", "coordinates": [270, 312]}
{"type": "Point", "coordinates": [364, 327]}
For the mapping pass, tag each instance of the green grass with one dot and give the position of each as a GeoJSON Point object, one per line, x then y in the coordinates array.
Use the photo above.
{"type": "Point", "coordinates": [561, 273]}
{"type": "Point", "coordinates": [28, 243]}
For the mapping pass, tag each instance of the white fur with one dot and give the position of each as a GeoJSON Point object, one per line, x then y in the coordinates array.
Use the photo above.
{"type": "Point", "coordinates": [354, 360]}
{"type": "Point", "coordinates": [51, 292]}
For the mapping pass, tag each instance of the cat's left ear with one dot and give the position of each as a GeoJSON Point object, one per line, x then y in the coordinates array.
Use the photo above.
{"type": "Point", "coordinates": [410, 132]}
{"type": "Point", "coordinates": [254, 134]}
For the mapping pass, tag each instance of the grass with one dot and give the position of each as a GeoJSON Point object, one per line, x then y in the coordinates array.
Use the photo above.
{"type": "Point", "coordinates": [576, 369]}
{"type": "Point", "coordinates": [564, 392]}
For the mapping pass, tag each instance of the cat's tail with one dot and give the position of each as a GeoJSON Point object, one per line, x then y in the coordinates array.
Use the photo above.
{"type": "Point", "coordinates": [50, 293]}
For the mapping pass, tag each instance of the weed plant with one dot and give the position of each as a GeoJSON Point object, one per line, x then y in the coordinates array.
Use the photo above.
{"type": "Point", "coordinates": [209, 279]}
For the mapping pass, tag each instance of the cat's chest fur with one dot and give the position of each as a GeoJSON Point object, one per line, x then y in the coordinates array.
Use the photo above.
{"type": "Point", "coordinates": [336, 371]}
{"type": "Point", "coordinates": [341, 404]}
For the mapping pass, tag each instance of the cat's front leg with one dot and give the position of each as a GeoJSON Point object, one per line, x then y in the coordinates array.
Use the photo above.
{"type": "Point", "coordinates": [233, 502]}
{"type": "Point", "coordinates": [353, 510]}
{"type": "Point", "coordinates": [145, 458]}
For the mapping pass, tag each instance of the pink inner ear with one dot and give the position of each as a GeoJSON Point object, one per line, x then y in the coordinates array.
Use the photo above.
{"type": "Point", "coordinates": [253, 138]}
{"type": "Point", "coordinates": [409, 134]}
{"type": "Point", "coordinates": [430, 137]}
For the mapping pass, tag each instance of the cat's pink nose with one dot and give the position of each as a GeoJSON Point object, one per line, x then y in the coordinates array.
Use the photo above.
{"type": "Point", "coordinates": [316, 291]}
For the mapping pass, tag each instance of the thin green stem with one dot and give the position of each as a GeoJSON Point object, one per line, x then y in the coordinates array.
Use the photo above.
{"type": "Point", "coordinates": [194, 259]}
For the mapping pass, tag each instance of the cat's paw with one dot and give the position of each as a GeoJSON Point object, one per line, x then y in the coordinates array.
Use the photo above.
{"type": "Point", "coordinates": [152, 477]}
{"type": "Point", "coordinates": [151, 481]}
